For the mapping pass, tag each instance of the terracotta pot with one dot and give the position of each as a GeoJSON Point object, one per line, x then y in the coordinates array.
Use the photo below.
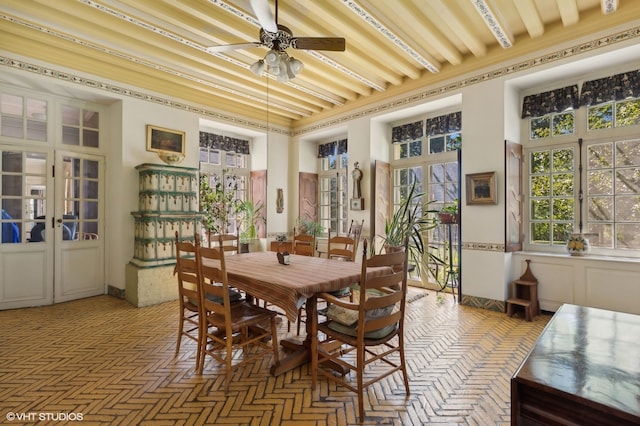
{"type": "Point", "coordinates": [448, 217]}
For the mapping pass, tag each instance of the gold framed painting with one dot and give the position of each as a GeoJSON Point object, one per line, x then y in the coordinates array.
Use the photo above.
{"type": "Point", "coordinates": [481, 188]}
{"type": "Point", "coordinates": [162, 140]}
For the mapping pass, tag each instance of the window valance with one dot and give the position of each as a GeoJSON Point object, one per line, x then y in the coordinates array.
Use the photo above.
{"type": "Point", "coordinates": [549, 102]}
{"type": "Point", "coordinates": [332, 148]}
{"type": "Point", "coordinates": [614, 88]}
{"type": "Point", "coordinates": [448, 123]}
{"type": "Point", "coordinates": [407, 132]}
{"type": "Point", "coordinates": [224, 143]}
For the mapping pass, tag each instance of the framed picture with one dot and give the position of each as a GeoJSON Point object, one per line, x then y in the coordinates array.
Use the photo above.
{"type": "Point", "coordinates": [162, 140]}
{"type": "Point", "coordinates": [357, 204]}
{"type": "Point", "coordinates": [481, 188]}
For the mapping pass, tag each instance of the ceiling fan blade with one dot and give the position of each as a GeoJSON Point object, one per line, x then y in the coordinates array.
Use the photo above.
{"type": "Point", "coordinates": [319, 43]}
{"type": "Point", "coordinates": [227, 47]}
{"type": "Point", "coordinates": [263, 13]}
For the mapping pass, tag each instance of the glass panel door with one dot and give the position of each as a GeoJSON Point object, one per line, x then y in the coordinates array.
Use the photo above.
{"type": "Point", "coordinates": [78, 226]}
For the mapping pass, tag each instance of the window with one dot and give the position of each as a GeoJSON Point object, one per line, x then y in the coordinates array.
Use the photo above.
{"type": "Point", "coordinates": [551, 195]}
{"type": "Point", "coordinates": [591, 183]}
{"type": "Point", "coordinates": [614, 114]}
{"type": "Point", "coordinates": [80, 127]}
{"type": "Point", "coordinates": [559, 124]}
{"type": "Point", "coordinates": [613, 194]}
{"type": "Point", "coordinates": [224, 163]}
{"type": "Point", "coordinates": [436, 174]}
{"type": "Point", "coordinates": [332, 182]}
{"type": "Point", "coordinates": [23, 118]}
{"type": "Point", "coordinates": [224, 151]}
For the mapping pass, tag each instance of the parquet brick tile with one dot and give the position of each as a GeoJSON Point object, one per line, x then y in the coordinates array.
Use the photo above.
{"type": "Point", "coordinates": [116, 365]}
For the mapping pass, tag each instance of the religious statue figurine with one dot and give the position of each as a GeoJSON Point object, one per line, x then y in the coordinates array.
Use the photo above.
{"type": "Point", "coordinates": [356, 174]}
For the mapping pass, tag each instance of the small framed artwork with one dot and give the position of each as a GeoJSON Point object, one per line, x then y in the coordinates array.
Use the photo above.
{"type": "Point", "coordinates": [357, 204]}
{"type": "Point", "coordinates": [481, 188]}
{"type": "Point", "coordinates": [164, 140]}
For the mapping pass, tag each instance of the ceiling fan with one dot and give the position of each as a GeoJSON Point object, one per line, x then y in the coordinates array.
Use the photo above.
{"type": "Point", "coordinates": [277, 38]}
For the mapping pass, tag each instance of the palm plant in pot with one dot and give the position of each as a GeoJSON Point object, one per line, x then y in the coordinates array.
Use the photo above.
{"type": "Point", "coordinates": [412, 220]}
{"type": "Point", "coordinates": [251, 217]}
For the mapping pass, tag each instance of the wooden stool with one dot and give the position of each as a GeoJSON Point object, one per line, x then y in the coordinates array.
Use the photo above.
{"type": "Point", "coordinates": [525, 294]}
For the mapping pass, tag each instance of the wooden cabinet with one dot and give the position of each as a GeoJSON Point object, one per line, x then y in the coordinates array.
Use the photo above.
{"type": "Point", "coordinates": [584, 369]}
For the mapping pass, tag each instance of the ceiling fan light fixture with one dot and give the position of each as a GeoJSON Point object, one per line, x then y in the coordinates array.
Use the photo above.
{"type": "Point", "coordinates": [295, 65]}
{"type": "Point", "coordinates": [258, 67]}
{"type": "Point", "coordinates": [272, 58]}
{"type": "Point", "coordinates": [279, 64]}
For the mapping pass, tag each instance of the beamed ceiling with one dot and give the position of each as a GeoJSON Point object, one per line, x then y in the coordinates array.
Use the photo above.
{"type": "Point", "coordinates": [392, 46]}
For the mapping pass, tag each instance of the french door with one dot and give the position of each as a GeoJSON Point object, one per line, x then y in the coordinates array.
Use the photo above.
{"type": "Point", "coordinates": [52, 226]}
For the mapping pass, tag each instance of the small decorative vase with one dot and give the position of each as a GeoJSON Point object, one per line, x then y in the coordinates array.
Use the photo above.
{"type": "Point", "coordinates": [578, 245]}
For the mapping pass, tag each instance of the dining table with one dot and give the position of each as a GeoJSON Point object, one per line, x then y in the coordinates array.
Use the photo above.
{"type": "Point", "coordinates": [289, 286]}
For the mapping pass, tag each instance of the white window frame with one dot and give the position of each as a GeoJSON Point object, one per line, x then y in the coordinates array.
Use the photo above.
{"type": "Point", "coordinates": [239, 167]}
{"type": "Point", "coordinates": [333, 209]}
{"type": "Point", "coordinates": [589, 137]}
{"type": "Point", "coordinates": [437, 236]}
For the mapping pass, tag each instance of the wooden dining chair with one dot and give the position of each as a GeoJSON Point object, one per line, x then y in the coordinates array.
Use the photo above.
{"type": "Point", "coordinates": [341, 247]}
{"type": "Point", "coordinates": [188, 294]}
{"type": "Point", "coordinates": [226, 328]}
{"type": "Point", "coordinates": [355, 231]}
{"type": "Point", "coordinates": [303, 245]}
{"type": "Point", "coordinates": [229, 242]}
{"type": "Point", "coordinates": [372, 326]}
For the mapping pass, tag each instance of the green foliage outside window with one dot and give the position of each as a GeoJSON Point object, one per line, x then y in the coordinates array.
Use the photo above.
{"type": "Point", "coordinates": [628, 113]}
{"type": "Point", "coordinates": [552, 124]}
{"type": "Point", "coordinates": [551, 195]}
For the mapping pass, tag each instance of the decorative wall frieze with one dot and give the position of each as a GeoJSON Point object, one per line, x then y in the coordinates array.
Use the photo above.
{"type": "Point", "coordinates": [497, 247]}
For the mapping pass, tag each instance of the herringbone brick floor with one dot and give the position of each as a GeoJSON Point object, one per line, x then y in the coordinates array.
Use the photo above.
{"type": "Point", "coordinates": [107, 362]}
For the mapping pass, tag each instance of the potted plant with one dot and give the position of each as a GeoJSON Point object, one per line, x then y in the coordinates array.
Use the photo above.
{"type": "Point", "coordinates": [217, 205]}
{"type": "Point", "coordinates": [306, 226]}
{"type": "Point", "coordinates": [449, 213]}
{"type": "Point", "coordinates": [250, 218]}
{"type": "Point", "coordinates": [412, 220]}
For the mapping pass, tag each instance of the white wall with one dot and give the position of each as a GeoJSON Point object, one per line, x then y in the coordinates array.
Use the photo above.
{"type": "Point", "coordinates": [587, 281]}
{"type": "Point", "coordinates": [278, 176]}
{"type": "Point", "coordinates": [483, 151]}
{"type": "Point", "coordinates": [359, 137]}
{"type": "Point", "coordinates": [122, 196]}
